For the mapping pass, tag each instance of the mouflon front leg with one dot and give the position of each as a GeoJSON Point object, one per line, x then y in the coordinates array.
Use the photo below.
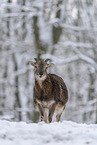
{"type": "Point", "coordinates": [51, 112]}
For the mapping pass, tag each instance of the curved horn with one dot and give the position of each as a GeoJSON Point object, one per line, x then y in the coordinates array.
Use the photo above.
{"type": "Point", "coordinates": [35, 59]}
{"type": "Point", "coordinates": [47, 60]}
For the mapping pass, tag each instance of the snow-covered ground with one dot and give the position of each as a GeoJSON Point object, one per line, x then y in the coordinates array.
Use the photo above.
{"type": "Point", "coordinates": [62, 133]}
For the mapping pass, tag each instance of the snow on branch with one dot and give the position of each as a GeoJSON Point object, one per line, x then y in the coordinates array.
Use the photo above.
{"type": "Point", "coordinates": [76, 28]}
{"type": "Point", "coordinates": [85, 58]}
{"type": "Point", "coordinates": [16, 7]}
{"type": "Point", "coordinates": [10, 52]}
{"type": "Point", "coordinates": [60, 61]}
{"type": "Point", "coordinates": [72, 27]}
{"type": "Point", "coordinates": [70, 59]}
{"type": "Point", "coordinates": [74, 44]}
{"type": "Point", "coordinates": [17, 14]}
{"type": "Point", "coordinates": [17, 73]}
{"type": "Point", "coordinates": [16, 47]}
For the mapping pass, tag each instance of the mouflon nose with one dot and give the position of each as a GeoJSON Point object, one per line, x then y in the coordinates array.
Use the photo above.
{"type": "Point", "coordinates": [40, 74]}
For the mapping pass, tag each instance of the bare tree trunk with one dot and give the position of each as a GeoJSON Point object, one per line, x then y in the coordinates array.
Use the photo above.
{"type": "Point", "coordinates": [56, 28]}
{"type": "Point", "coordinates": [8, 20]}
{"type": "Point", "coordinates": [39, 46]}
{"type": "Point", "coordinates": [92, 93]}
{"type": "Point", "coordinates": [24, 30]}
{"type": "Point", "coordinates": [95, 58]}
{"type": "Point", "coordinates": [17, 103]}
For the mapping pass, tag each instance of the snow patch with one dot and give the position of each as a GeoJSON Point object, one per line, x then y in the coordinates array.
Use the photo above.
{"type": "Point", "coordinates": [66, 132]}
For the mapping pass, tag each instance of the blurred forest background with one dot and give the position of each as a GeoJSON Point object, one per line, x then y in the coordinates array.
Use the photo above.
{"type": "Point", "coordinates": [62, 30]}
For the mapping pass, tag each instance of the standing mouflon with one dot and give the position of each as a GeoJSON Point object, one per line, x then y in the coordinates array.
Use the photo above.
{"type": "Point", "coordinates": [50, 91]}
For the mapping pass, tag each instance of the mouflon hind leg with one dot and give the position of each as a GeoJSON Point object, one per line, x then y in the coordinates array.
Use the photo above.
{"type": "Point", "coordinates": [58, 117]}
{"type": "Point", "coordinates": [59, 110]}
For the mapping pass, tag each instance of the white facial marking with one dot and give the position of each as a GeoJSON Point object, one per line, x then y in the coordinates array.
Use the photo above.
{"type": "Point", "coordinates": [40, 80]}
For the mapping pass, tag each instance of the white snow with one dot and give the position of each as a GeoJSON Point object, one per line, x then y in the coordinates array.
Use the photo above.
{"type": "Point", "coordinates": [62, 133]}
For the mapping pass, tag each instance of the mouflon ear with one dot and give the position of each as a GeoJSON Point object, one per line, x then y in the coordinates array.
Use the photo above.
{"type": "Point", "coordinates": [50, 65]}
{"type": "Point", "coordinates": [36, 59]}
{"type": "Point", "coordinates": [32, 63]}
